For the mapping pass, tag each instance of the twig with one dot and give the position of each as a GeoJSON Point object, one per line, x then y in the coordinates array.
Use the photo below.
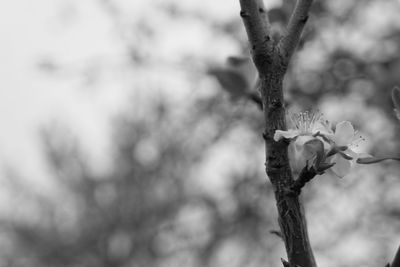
{"type": "Point", "coordinates": [277, 233]}
{"type": "Point", "coordinates": [295, 27]}
{"type": "Point", "coordinates": [305, 176]}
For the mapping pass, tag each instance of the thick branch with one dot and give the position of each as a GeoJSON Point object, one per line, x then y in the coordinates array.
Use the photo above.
{"type": "Point", "coordinates": [294, 29]}
{"type": "Point", "coordinates": [271, 65]}
{"type": "Point", "coordinates": [291, 214]}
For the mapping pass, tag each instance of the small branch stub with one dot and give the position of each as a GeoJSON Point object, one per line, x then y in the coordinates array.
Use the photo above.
{"type": "Point", "coordinates": [243, 14]}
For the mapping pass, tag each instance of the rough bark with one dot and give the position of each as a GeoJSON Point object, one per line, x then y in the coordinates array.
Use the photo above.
{"type": "Point", "coordinates": [271, 61]}
{"type": "Point", "coordinates": [396, 260]}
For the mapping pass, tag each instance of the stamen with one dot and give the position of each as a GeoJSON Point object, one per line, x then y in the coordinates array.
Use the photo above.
{"type": "Point", "coordinates": [305, 121]}
{"type": "Point", "coordinates": [357, 139]}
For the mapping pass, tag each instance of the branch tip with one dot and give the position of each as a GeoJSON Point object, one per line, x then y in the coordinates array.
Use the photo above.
{"type": "Point", "coordinates": [295, 28]}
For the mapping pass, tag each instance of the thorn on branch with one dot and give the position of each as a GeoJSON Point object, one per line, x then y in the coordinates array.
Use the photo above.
{"type": "Point", "coordinates": [264, 136]}
{"type": "Point", "coordinates": [253, 96]}
{"type": "Point", "coordinates": [277, 233]}
{"type": "Point", "coordinates": [244, 14]}
{"type": "Point", "coordinates": [285, 263]}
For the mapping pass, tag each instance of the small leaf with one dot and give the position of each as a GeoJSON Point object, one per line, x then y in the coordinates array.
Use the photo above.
{"type": "Point", "coordinates": [245, 67]}
{"type": "Point", "coordinates": [238, 77]}
{"type": "Point", "coordinates": [372, 160]}
{"type": "Point", "coordinates": [238, 61]}
{"type": "Point", "coordinates": [231, 81]}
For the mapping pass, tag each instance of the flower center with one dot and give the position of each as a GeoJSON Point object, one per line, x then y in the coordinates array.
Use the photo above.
{"type": "Point", "coordinates": [306, 121]}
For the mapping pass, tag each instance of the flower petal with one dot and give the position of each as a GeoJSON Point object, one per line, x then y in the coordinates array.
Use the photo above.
{"type": "Point", "coordinates": [322, 128]}
{"type": "Point", "coordinates": [289, 134]}
{"type": "Point", "coordinates": [342, 166]}
{"type": "Point", "coordinates": [298, 157]}
{"type": "Point", "coordinates": [344, 133]}
{"type": "Point", "coordinates": [301, 152]}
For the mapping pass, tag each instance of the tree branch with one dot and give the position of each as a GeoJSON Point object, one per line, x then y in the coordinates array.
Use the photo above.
{"type": "Point", "coordinates": [396, 260]}
{"type": "Point", "coordinates": [295, 27]}
{"type": "Point", "coordinates": [271, 65]}
{"type": "Point", "coordinates": [255, 19]}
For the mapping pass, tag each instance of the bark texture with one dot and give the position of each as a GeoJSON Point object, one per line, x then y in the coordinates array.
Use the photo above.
{"type": "Point", "coordinates": [271, 61]}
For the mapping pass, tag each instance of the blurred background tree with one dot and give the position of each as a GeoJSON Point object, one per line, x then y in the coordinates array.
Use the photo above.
{"type": "Point", "coordinates": [187, 186]}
